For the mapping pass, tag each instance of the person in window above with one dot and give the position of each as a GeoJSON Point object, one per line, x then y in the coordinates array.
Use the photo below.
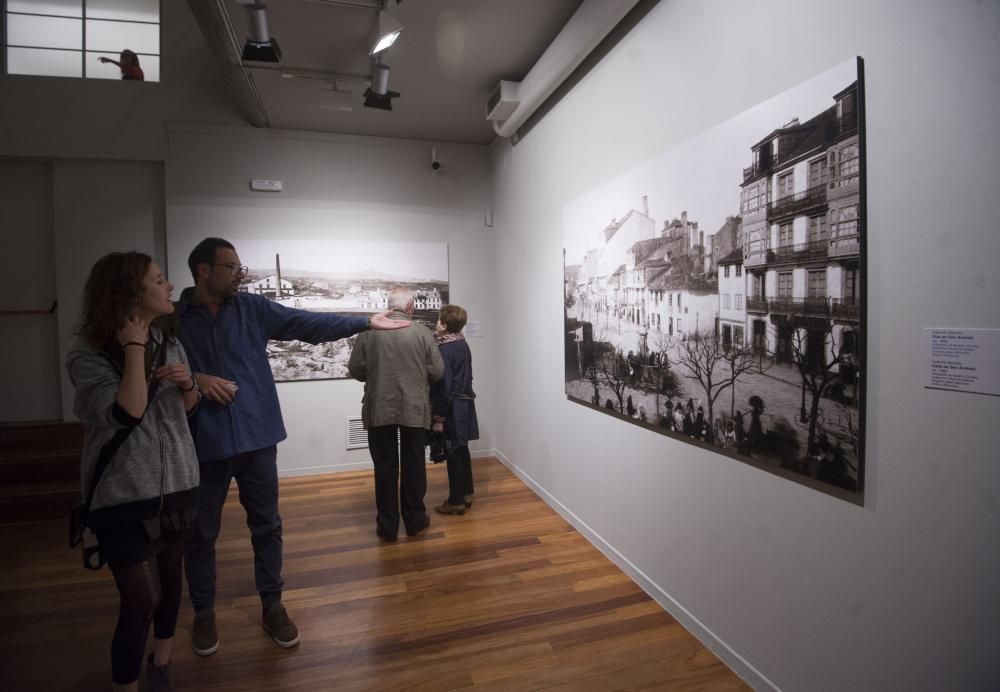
{"type": "Point", "coordinates": [454, 408]}
{"type": "Point", "coordinates": [128, 63]}
{"type": "Point", "coordinates": [225, 332]}
{"type": "Point", "coordinates": [146, 497]}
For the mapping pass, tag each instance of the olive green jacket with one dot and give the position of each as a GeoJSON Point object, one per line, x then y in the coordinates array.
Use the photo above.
{"type": "Point", "coordinates": [397, 367]}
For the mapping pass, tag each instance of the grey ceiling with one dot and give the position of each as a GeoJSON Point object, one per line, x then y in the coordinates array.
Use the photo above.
{"type": "Point", "coordinates": [449, 57]}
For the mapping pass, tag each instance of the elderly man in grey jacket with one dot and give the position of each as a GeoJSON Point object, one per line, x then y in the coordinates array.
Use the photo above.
{"type": "Point", "coordinates": [397, 368]}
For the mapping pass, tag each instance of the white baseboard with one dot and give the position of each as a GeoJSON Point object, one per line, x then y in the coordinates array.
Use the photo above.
{"type": "Point", "coordinates": [731, 658]}
{"type": "Point", "coordinates": [329, 468]}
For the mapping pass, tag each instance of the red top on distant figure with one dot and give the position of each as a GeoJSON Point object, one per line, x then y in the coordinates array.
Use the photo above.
{"type": "Point", "coordinates": [128, 63]}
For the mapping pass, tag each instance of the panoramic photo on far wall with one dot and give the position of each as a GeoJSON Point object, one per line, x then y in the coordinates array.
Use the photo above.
{"type": "Point", "coordinates": [715, 293]}
{"type": "Point", "coordinates": [345, 278]}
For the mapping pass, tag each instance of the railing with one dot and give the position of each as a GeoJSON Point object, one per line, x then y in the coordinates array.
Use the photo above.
{"type": "Point", "coordinates": [800, 252]}
{"type": "Point", "coordinates": [758, 167]}
{"type": "Point", "coordinates": [846, 308]}
{"type": "Point", "coordinates": [755, 304]}
{"type": "Point", "coordinates": [790, 204]}
{"type": "Point", "coordinates": [801, 306]}
{"type": "Point", "coordinates": [50, 311]}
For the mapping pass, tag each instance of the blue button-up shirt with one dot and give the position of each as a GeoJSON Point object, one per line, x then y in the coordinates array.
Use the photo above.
{"type": "Point", "coordinates": [232, 344]}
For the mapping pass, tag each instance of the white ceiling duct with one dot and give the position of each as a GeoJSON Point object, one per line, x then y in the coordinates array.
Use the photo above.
{"type": "Point", "coordinates": [588, 26]}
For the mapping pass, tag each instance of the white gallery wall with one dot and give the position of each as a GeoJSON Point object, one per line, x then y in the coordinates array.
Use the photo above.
{"type": "Point", "coordinates": [794, 589]}
{"type": "Point", "coordinates": [28, 282]}
{"type": "Point", "coordinates": [57, 219]}
{"type": "Point", "coordinates": [337, 188]}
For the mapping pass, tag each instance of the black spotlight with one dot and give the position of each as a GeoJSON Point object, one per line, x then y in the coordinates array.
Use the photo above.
{"type": "Point", "coordinates": [260, 46]}
{"type": "Point", "coordinates": [378, 95]}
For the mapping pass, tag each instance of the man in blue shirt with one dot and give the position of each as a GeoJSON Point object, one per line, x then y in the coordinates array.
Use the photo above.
{"type": "Point", "coordinates": [225, 333]}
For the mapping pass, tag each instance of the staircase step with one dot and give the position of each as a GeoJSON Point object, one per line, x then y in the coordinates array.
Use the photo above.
{"type": "Point", "coordinates": [16, 438]}
{"type": "Point", "coordinates": [33, 468]}
{"type": "Point", "coordinates": [39, 470]}
{"type": "Point", "coordinates": [37, 501]}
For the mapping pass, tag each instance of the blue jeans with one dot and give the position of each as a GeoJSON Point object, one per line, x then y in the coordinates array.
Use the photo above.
{"type": "Point", "coordinates": [256, 475]}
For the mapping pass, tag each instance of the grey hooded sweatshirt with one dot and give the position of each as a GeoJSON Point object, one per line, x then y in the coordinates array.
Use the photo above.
{"type": "Point", "coordinates": [156, 469]}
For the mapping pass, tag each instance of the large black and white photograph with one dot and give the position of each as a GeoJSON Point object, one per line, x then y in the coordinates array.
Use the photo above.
{"type": "Point", "coordinates": [342, 277]}
{"type": "Point", "coordinates": [715, 294]}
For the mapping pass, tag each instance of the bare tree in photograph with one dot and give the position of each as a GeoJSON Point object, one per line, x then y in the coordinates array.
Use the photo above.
{"type": "Point", "coordinates": [666, 381]}
{"type": "Point", "coordinates": [819, 358]}
{"type": "Point", "coordinates": [742, 361]}
{"type": "Point", "coordinates": [704, 357]}
{"type": "Point", "coordinates": [848, 424]}
{"type": "Point", "coordinates": [613, 369]}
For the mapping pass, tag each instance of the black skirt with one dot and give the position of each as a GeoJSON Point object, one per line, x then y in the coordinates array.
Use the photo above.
{"type": "Point", "coordinates": [142, 539]}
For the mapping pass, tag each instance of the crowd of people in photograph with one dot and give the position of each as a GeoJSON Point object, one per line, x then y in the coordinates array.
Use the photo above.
{"type": "Point", "coordinates": [178, 400]}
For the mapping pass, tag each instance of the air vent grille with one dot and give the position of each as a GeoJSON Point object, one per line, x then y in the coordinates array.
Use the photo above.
{"type": "Point", "coordinates": [357, 436]}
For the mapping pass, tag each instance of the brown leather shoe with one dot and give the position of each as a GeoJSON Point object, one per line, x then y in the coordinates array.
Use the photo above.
{"type": "Point", "coordinates": [447, 508]}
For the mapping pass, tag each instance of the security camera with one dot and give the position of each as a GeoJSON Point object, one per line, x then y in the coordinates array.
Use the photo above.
{"type": "Point", "coordinates": [435, 162]}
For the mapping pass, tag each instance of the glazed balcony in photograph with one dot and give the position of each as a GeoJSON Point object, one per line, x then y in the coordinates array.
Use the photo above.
{"type": "Point", "coordinates": [845, 245]}
{"type": "Point", "coordinates": [792, 204]}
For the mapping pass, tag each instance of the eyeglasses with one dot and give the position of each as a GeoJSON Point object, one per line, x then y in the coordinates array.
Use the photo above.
{"type": "Point", "coordinates": [233, 267]}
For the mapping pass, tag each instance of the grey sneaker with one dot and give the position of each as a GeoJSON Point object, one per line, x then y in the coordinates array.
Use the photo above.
{"type": "Point", "coordinates": [281, 628]}
{"type": "Point", "coordinates": [204, 635]}
{"type": "Point", "coordinates": [159, 676]}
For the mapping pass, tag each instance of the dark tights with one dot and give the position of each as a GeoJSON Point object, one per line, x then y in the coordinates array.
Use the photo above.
{"type": "Point", "coordinates": [150, 591]}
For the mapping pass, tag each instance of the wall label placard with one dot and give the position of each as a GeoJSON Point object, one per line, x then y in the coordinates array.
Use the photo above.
{"type": "Point", "coordinates": [963, 360]}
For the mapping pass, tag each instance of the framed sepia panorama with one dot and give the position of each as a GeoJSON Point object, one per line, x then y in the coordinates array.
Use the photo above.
{"type": "Point", "coordinates": [716, 293]}
{"type": "Point", "coordinates": [342, 277]}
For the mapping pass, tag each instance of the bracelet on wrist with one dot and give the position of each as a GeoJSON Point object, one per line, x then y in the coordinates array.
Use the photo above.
{"type": "Point", "coordinates": [194, 386]}
{"type": "Point", "coordinates": [133, 343]}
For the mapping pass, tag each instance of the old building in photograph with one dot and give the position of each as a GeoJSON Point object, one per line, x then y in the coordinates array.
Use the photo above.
{"type": "Point", "coordinates": [269, 287]}
{"type": "Point", "coordinates": [800, 205]}
{"type": "Point", "coordinates": [732, 300]}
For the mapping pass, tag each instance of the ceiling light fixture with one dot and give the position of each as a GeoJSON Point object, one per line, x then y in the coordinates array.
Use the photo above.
{"type": "Point", "coordinates": [378, 94]}
{"type": "Point", "coordinates": [260, 45]}
{"type": "Point", "coordinates": [386, 32]}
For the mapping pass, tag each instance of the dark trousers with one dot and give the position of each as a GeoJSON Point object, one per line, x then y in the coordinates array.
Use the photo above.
{"type": "Point", "coordinates": [256, 475]}
{"type": "Point", "coordinates": [459, 475]}
{"type": "Point", "coordinates": [400, 476]}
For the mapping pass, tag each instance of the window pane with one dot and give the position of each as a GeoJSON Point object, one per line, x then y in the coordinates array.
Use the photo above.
{"type": "Point", "coordinates": [116, 36]}
{"type": "Point", "coordinates": [130, 10]}
{"type": "Point", "coordinates": [39, 61]}
{"type": "Point", "coordinates": [44, 32]}
{"type": "Point", "coordinates": [150, 65]}
{"type": "Point", "coordinates": [63, 8]}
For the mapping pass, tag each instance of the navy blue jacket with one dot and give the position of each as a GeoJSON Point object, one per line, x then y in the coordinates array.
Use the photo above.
{"type": "Point", "coordinates": [233, 345]}
{"type": "Point", "coordinates": [452, 395]}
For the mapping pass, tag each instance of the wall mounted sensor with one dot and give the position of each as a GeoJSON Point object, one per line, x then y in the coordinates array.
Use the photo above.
{"type": "Point", "coordinates": [435, 161]}
{"type": "Point", "coordinates": [264, 185]}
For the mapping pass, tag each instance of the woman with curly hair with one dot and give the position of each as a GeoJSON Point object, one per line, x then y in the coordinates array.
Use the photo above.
{"type": "Point", "coordinates": [138, 471]}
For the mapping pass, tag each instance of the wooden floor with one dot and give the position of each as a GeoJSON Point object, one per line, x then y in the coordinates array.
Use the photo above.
{"type": "Point", "coordinates": [508, 597]}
